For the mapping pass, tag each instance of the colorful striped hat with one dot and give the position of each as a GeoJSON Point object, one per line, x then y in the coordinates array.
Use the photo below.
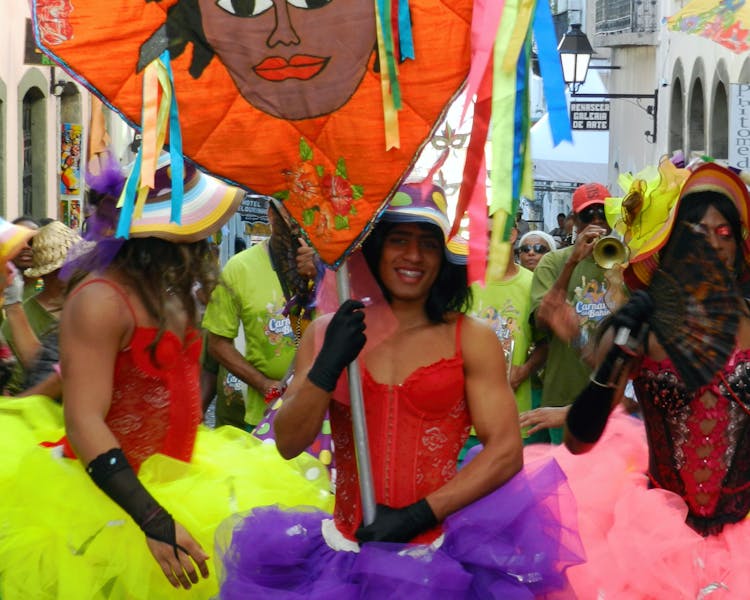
{"type": "Point", "coordinates": [12, 239]}
{"type": "Point", "coordinates": [419, 202]}
{"type": "Point", "coordinates": [711, 177]}
{"type": "Point", "coordinates": [708, 177]}
{"type": "Point", "coordinates": [208, 203]}
{"type": "Point", "coordinates": [457, 250]}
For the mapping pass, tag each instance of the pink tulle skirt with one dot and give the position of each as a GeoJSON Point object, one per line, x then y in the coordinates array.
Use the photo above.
{"type": "Point", "coordinates": [636, 540]}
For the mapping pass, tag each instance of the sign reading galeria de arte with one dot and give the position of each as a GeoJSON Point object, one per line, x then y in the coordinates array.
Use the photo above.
{"type": "Point", "coordinates": [589, 116]}
{"type": "Point", "coordinates": [739, 125]}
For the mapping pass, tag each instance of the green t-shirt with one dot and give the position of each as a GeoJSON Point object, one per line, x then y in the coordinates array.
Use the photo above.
{"type": "Point", "coordinates": [250, 293]}
{"type": "Point", "coordinates": [565, 374]}
{"type": "Point", "coordinates": [42, 322]}
{"type": "Point", "coordinates": [506, 306]}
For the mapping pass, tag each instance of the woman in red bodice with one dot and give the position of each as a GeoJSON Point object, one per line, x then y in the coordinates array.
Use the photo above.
{"type": "Point", "coordinates": [672, 522]}
{"type": "Point", "coordinates": [427, 377]}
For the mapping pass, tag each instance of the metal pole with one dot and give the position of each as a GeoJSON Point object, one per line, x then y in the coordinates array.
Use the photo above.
{"type": "Point", "coordinates": [359, 425]}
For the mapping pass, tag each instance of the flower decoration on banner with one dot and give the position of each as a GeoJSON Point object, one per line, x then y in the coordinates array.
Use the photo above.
{"type": "Point", "coordinates": [325, 197]}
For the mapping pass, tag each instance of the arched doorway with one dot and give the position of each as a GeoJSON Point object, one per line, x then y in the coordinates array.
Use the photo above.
{"type": "Point", "coordinates": [33, 152]}
{"type": "Point", "coordinates": [719, 147]}
{"type": "Point", "coordinates": [696, 120]}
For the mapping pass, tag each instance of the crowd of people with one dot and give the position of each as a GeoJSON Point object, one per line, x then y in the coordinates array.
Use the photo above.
{"type": "Point", "coordinates": [500, 462]}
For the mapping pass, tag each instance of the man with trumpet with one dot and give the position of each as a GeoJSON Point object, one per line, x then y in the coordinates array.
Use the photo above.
{"type": "Point", "coordinates": [568, 294]}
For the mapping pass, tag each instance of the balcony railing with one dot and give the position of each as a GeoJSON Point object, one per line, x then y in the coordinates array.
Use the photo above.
{"type": "Point", "coordinates": [626, 16]}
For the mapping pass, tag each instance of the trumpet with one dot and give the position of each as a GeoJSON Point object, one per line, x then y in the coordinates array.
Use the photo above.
{"type": "Point", "coordinates": [610, 250]}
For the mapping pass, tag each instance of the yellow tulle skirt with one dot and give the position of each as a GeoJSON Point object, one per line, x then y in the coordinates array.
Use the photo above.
{"type": "Point", "coordinates": [62, 538]}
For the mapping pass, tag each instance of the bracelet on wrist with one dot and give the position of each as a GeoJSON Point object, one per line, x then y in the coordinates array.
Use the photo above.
{"type": "Point", "coordinates": [273, 393]}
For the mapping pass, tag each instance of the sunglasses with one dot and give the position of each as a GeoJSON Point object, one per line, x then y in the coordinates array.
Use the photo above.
{"type": "Point", "coordinates": [538, 248]}
{"type": "Point", "coordinates": [587, 215]}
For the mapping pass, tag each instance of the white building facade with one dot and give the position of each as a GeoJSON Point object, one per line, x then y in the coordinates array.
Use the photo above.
{"type": "Point", "coordinates": [690, 74]}
{"type": "Point", "coordinates": [44, 128]}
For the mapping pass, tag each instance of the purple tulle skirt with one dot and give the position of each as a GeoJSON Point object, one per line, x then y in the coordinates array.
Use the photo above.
{"type": "Point", "coordinates": [515, 543]}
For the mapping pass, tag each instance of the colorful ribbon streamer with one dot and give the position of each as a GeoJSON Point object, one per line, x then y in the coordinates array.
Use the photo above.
{"type": "Point", "coordinates": [159, 112]}
{"type": "Point", "coordinates": [552, 77]}
{"type": "Point", "coordinates": [395, 42]}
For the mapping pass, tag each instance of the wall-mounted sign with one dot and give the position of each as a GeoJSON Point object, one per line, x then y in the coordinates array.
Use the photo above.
{"type": "Point", "coordinates": [739, 125]}
{"type": "Point", "coordinates": [589, 116]}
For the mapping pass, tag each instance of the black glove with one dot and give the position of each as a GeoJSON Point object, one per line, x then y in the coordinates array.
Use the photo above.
{"type": "Point", "coordinates": [112, 472]}
{"type": "Point", "coordinates": [343, 341]}
{"type": "Point", "coordinates": [398, 524]}
{"type": "Point", "coordinates": [634, 312]}
{"type": "Point", "coordinates": [590, 411]}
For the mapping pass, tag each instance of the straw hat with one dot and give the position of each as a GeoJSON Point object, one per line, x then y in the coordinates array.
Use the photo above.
{"type": "Point", "coordinates": [12, 239]}
{"type": "Point", "coordinates": [51, 245]}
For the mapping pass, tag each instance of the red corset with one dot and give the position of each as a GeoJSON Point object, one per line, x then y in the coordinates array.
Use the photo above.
{"type": "Point", "coordinates": [700, 449]}
{"type": "Point", "coordinates": [415, 431]}
{"type": "Point", "coordinates": [156, 404]}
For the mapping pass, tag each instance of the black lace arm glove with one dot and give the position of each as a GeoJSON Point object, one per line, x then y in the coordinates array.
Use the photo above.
{"type": "Point", "coordinates": [398, 524]}
{"type": "Point", "coordinates": [112, 472]}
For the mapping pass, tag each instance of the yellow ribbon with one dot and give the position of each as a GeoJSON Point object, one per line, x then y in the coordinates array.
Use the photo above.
{"type": "Point", "coordinates": [503, 114]}
{"type": "Point", "coordinates": [520, 29]}
{"type": "Point", "coordinates": [390, 114]}
{"type": "Point", "coordinates": [155, 124]}
{"type": "Point", "coordinates": [499, 251]}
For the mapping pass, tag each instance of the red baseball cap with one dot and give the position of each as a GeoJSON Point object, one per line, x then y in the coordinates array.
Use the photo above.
{"type": "Point", "coordinates": [588, 194]}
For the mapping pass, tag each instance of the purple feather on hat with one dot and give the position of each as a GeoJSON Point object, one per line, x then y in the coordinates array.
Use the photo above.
{"type": "Point", "coordinates": [99, 247]}
{"type": "Point", "coordinates": [110, 179]}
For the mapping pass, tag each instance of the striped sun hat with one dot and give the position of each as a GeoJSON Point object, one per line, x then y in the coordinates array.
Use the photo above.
{"type": "Point", "coordinates": [12, 239]}
{"type": "Point", "coordinates": [207, 204]}
{"type": "Point", "coordinates": [708, 177]}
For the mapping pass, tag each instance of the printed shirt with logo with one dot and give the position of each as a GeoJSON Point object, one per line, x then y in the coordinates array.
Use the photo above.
{"type": "Point", "coordinates": [251, 294]}
{"type": "Point", "coordinates": [565, 374]}
{"type": "Point", "coordinates": [506, 305]}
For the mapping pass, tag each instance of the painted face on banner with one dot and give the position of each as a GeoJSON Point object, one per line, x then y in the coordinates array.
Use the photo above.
{"type": "Point", "coordinates": [292, 59]}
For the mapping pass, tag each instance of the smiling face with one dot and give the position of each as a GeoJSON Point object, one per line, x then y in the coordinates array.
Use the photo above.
{"type": "Point", "coordinates": [293, 59]}
{"type": "Point", "coordinates": [410, 261]}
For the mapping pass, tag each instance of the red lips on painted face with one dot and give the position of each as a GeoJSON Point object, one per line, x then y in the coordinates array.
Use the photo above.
{"type": "Point", "coordinates": [300, 66]}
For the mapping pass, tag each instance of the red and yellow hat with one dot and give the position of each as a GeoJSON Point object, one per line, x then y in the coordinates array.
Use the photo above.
{"type": "Point", "coordinates": [708, 177]}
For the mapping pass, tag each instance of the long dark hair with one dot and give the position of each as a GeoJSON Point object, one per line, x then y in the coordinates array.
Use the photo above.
{"type": "Point", "coordinates": [694, 206]}
{"type": "Point", "coordinates": [156, 268]}
{"type": "Point", "coordinates": [450, 292]}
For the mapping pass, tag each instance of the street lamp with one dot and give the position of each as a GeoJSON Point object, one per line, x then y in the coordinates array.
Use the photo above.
{"type": "Point", "coordinates": [575, 55]}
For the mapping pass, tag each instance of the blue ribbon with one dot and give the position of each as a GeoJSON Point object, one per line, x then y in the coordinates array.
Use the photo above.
{"type": "Point", "coordinates": [175, 149]}
{"type": "Point", "coordinates": [520, 129]}
{"type": "Point", "coordinates": [128, 197]}
{"type": "Point", "coordinates": [551, 70]}
{"type": "Point", "coordinates": [405, 40]}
